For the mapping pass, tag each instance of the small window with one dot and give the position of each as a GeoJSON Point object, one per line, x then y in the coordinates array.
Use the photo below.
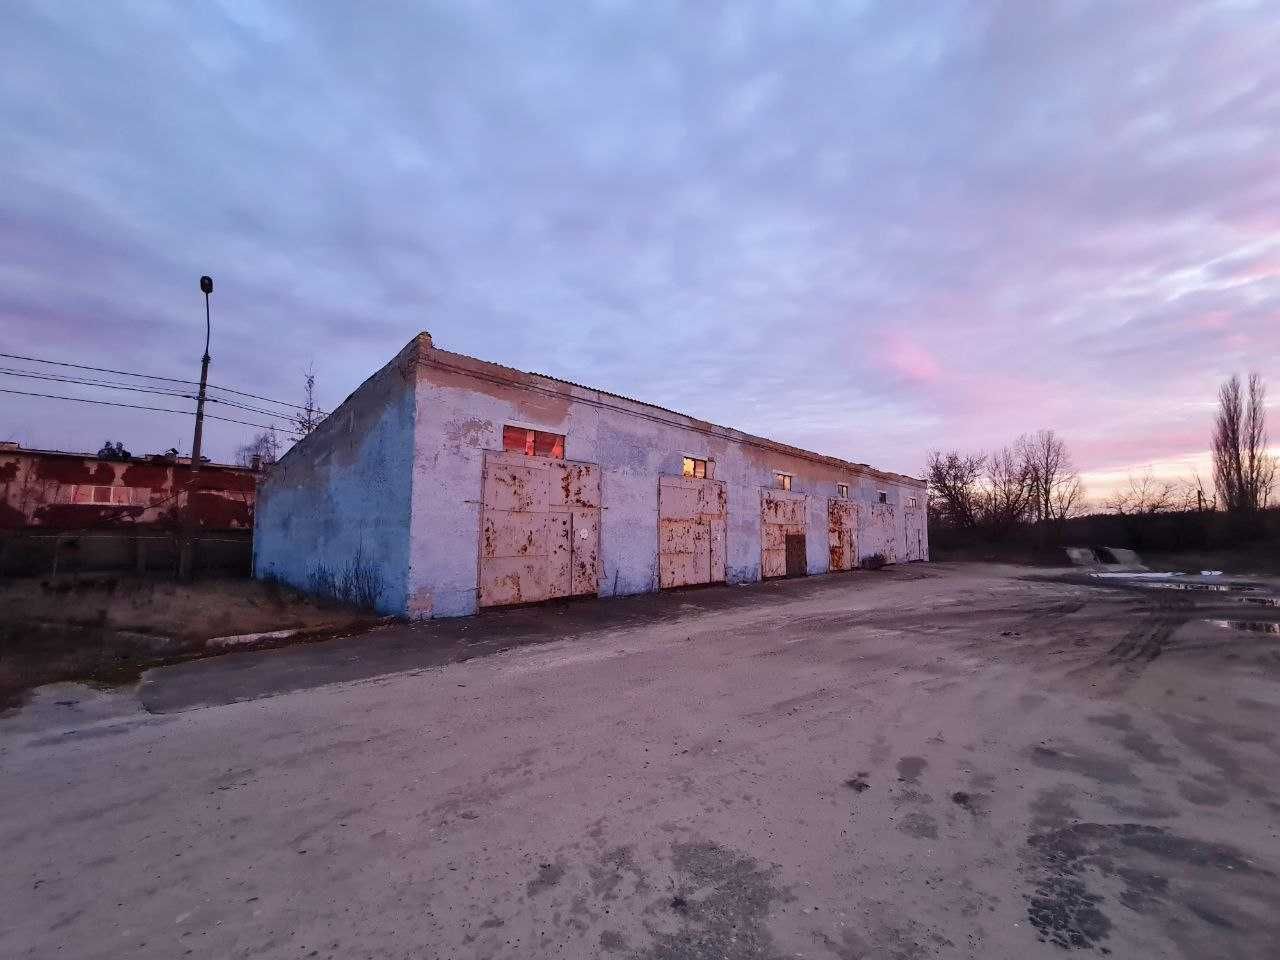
{"type": "Point", "coordinates": [783, 480]}
{"type": "Point", "coordinates": [102, 494]}
{"type": "Point", "coordinates": [912, 502]}
{"type": "Point", "coordinates": [882, 496]}
{"type": "Point", "coordinates": [693, 467]}
{"type": "Point", "coordinates": [533, 443]}
{"type": "Point", "coordinates": [842, 489]}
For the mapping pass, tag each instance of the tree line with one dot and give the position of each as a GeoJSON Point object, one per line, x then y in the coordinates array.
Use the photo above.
{"type": "Point", "coordinates": [991, 494]}
{"type": "Point", "coordinates": [1033, 483]}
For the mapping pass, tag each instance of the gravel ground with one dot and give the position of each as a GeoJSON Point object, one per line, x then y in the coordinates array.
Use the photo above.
{"type": "Point", "coordinates": [951, 761]}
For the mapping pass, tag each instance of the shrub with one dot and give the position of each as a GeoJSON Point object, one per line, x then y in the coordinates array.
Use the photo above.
{"type": "Point", "coordinates": [359, 583]}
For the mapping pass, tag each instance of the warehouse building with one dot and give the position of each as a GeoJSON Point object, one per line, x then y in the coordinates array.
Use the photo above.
{"type": "Point", "coordinates": [446, 484]}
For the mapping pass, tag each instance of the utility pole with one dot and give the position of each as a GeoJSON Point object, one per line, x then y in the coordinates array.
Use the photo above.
{"type": "Point", "coordinates": [188, 545]}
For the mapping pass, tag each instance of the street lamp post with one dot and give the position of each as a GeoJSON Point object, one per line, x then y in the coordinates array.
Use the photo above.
{"type": "Point", "coordinates": [206, 287]}
{"type": "Point", "coordinates": [185, 554]}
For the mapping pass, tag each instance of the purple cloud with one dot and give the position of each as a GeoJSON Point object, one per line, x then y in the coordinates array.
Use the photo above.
{"type": "Point", "coordinates": [869, 231]}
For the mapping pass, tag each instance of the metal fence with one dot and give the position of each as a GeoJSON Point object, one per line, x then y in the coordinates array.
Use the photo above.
{"type": "Point", "coordinates": [24, 554]}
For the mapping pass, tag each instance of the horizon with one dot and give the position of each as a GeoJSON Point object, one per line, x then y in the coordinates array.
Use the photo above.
{"type": "Point", "coordinates": [868, 233]}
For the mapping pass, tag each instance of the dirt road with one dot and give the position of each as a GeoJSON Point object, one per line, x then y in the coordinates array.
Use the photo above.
{"type": "Point", "coordinates": [925, 761]}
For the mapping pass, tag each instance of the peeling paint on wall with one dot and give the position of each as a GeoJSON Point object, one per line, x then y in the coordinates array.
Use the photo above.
{"type": "Point", "coordinates": [691, 531]}
{"type": "Point", "coordinates": [842, 534]}
{"type": "Point", "coordinates": [64, 491]}
{"type": "Point", "coordinates": [540, 529]}
{"type": "Point", "coordinates": [784, 526]}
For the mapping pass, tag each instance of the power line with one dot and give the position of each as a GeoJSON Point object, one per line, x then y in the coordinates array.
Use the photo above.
{"type": "Point", "coordinates": [81, 366]}
{"type": "Point", "coordinates": [149, 376]}
{"type": "Point", "coordinates": [283, 403]}
{"type": "Point", "coordinates": [93, 382]}
{"type": "Point", "coordinates": [161, 391]}
{"type": "Point", "coordinates": [136, 406]}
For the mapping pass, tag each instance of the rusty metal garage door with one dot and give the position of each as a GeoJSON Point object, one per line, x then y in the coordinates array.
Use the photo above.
{"type": "Point", "coordinates": [879, 533]}
{"type": "Point", "coordinates": [783, 524]}
{"type": "Point", "coordinates": [691, 531]}
{"type": "Point", "coordinates": [842, 532]}
{"type": "Point", "coordinates": [539, 529]}
{"type": "Point", "coordinates": [913, 532]}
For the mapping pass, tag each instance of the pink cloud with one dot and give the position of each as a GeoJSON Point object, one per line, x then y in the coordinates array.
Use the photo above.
{"type": "Point", "coordinates": [1214, 320]}
{"type": "Point", "coordinates": [903, 355]}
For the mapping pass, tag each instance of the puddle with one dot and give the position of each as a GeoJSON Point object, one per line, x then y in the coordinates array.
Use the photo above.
{"type": "Point", "coordinates": [1206, 587]}
{"type": "Point", "coordinates": [1241, 592]}
{"type": "Point", "coordinates": [1132, 575]}
{"type": "Point", "coordinates": [1251, 626]}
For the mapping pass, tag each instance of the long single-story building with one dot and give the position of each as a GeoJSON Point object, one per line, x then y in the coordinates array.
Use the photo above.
{"type": "Point", "coordinates": [445, 484]}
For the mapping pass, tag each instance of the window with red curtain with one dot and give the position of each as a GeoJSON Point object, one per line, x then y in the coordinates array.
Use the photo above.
{"type": "Point", "coordinates": [533, 443]}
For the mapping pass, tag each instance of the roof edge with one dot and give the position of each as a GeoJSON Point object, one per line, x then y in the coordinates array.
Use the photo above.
{"type": "Point", "coordinates": [146, 460]}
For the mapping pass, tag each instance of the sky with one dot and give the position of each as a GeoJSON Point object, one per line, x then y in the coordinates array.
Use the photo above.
{"type": "Point", "coordinates": [867, 229]}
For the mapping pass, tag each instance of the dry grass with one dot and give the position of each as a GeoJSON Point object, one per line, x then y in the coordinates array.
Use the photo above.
{"type": "Point", "coordinates": [110, 628]}
{"type": "Point", "coordinates": [183, 611]}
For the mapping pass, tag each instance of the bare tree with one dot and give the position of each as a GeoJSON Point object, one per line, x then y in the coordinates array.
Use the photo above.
{"type": "Point", "coordinates": [1056, 491]}
{"type": "Point", "coordinates": [1243, 471]}
{"type": "Point", "coordinates": [1146, 495]}
{"type": "Point", "coordinates": [1069, 500]}
{"type": "Point", "coordinates": [311, 415]}
{"type": "Point", "coordinates": [264, 448]}
{"type": "Point", "coordinates": [1196, 494]}
{"type": "Point", "coordinates": [1006, 492]}
{"type": "Point", "coordinates": [954, 487]}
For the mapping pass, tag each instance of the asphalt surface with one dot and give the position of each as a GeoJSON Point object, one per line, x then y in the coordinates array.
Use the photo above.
{"type": "Point", "coordinates": [926, 761]}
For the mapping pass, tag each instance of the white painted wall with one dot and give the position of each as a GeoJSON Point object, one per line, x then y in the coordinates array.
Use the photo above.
{"type": "Point", "coordinates": [337, 504]}
{"type": "Point", "coordinates": [455, 423]}
{"type": "Point", "coordinates": [393, 478]}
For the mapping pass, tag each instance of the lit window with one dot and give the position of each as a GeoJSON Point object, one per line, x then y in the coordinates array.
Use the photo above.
{"type": "Point", "coordinates": [693, 467]}
{"type": "Point", "coordinates": [533, 443]}
{"type": "Point", "coordinates": [784, 480]}
{"type": "Point", "coordinates": [883, 497]}
{"type": "Point", "coordinates": [842, 489]}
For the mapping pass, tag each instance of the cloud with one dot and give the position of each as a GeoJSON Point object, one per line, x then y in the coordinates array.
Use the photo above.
{"type": "Point", "coordinates": [867, 229]}
{"type": "Point", "coordinates": [902, 355]}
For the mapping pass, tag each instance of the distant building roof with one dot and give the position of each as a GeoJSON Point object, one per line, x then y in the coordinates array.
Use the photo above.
{"type": "Point", "coordinates": [10, 446]}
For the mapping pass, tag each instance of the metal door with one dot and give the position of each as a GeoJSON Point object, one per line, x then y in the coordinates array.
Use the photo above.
{"type": "Point", "coordinates": [539, 529]}
{"type": "Point", "coordinates": [879, 533]}
{"type": "Point", "coordinates": [842, 533]}
{"type": "Point", "coordinates": [913, 542]}
{"type": "Point", "coordinates": [783, 516]}
{"type": "Point", "coordinates": [691, 531]}
{"type": "Point", "coordinates": [797, 561]}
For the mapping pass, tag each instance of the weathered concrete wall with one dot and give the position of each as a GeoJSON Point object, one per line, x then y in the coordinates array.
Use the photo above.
{"type": "Point", "coordinates": [333, 515]}
{"type": "Point", "coordinates": [461, 405]}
